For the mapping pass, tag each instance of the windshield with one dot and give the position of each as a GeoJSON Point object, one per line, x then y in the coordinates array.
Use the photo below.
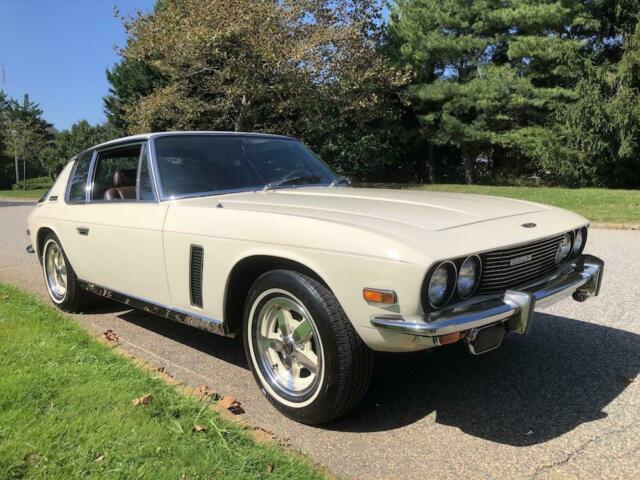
{"type": "Point", "coordinates": [200, 164]}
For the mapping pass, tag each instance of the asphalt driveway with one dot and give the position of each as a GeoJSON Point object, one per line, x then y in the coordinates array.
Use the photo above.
{"type": "Point", "coordinates": [563, 401]}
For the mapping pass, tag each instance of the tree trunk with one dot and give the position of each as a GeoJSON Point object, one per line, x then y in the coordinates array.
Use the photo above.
{"type": "Point", "coordinates": [432, 173]}
{"type": "Point", "coordinates": [15, 159]}
{"type": "Point", "coordinates": [24, 172]}
{"type": "Point", "coordinates": [469, 168]}
{"type": "Point", "coordinates": [239, 124]}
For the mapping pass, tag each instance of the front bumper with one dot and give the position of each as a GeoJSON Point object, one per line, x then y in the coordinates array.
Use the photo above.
{"type": "Point", "coordinates": [581, 278]}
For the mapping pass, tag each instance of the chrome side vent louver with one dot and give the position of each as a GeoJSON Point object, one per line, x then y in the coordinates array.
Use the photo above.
{"type": "Point", "coordinates": [195, 275]}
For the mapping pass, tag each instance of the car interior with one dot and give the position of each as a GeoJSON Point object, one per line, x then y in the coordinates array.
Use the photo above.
{"type": "Point", "coordinates": [115, 174]}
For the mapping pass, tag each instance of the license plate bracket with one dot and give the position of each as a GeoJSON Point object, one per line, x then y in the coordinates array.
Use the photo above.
{"type": "Point", "coordinates": [484, 339]}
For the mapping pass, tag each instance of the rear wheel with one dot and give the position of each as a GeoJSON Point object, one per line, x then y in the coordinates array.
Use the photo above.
{"type": "Point", "coordinates": [60, 278]}
{"type": "Point", "coordinates": [302, 349]}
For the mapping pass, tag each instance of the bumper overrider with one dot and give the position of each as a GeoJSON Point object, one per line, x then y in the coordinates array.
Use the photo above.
{"type": "Point", "coordinates": [512, 310]}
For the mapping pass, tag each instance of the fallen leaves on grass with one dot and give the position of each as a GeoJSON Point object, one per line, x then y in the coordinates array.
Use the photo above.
{"type": "Point", "coordinates": [269, 467]}
{"type": "Point", "coordinates": [231, 404]}
{"type": "Point", "coordinates": [203, 391]}
{"type": "Point", "coordinates": [197, 428]}
{"type": "Point", "coordinates": [262, 434]}
{"type": "Point", "coordinates": [100, 458]}
{"type": "Point", "coordinates": [110, 336]}
{"type": "Point", "coordinates": [143, 400]}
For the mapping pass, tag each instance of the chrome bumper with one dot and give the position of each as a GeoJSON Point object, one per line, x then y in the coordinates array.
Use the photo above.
{"type": "Point", "coordinates": [580, 278]}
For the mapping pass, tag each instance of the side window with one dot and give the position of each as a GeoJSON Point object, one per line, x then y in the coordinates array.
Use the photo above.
{"type": "Point", "coordinates": [78, 181]}
{"type": "Point", "coordinates": [145, 190]}
{"type": "Point", "coordinates": [115, 174]}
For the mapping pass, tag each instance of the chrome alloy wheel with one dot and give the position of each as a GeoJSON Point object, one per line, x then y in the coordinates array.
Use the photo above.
{"type": "Point", "coordinates": [55, 271]}
{"type": "Point", "coordinates": [288, 346]}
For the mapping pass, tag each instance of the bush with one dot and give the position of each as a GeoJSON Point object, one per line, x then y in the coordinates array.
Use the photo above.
{"type": "Point", "coordinates": [36, 183]}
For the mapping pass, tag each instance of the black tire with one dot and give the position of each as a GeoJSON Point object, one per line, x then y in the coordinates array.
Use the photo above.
{"type": "Point", "coordinates": [346, 362]}
{"type": "Point", "coordinates": [74, 298]}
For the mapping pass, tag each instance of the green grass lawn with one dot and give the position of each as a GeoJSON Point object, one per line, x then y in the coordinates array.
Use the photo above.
{"type": "Point", "coordinates": [597, 204]}
{"type": "Point", "coordinates": [23, 194]}
{"type": "Point", "coordinates": [66, 412]}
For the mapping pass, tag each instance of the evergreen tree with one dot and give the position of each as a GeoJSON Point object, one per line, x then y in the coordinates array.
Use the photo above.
{"type": "Point", "coordinates": [488, 73]}
{"type": "Point", "coordinates": [596, 139]}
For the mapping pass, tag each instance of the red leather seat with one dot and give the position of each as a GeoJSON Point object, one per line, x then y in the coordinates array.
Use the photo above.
{"type": "Point", "coordinates": [123, 188]}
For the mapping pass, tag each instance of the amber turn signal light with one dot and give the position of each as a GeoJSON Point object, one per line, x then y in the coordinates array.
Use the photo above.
{"type": "Point", "coordinates": [383, 297]}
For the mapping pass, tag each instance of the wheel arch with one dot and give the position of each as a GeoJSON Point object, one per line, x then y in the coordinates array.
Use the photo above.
{"type": "Point", "coordinates": [245, 272]}
{"type": "Point", "coordinates": [40, 236]}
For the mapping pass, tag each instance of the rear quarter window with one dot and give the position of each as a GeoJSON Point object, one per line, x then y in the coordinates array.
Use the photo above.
{"type": "Point", "coordinates": [78, 179]}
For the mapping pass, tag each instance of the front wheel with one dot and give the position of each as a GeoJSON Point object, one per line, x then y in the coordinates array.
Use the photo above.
{"type": "Point", "coordinates": [303, 351]}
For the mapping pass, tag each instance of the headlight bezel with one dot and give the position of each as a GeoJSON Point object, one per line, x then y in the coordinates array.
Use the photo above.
{"type": "Point", "coordinates": [559, 258]}
{"type": "Point", "coordinates": [452, 281]}
{"type": "Point", "coordinates": [477, 278]}
{"type": "Point", "coordinates": [584, 232]}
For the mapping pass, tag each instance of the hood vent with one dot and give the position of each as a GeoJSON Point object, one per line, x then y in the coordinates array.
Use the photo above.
{"type": "Point", "coordinates": [195, 275]}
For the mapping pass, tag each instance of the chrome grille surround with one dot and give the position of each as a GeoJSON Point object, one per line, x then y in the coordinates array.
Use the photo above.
{"type": "Point", "coordinates": [516, 266]}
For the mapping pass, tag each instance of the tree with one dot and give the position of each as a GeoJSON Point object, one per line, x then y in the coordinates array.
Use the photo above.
{"type": "Point", "coordinates": [310, 68]}
{"type": "Point", "coordinates": [597, 137]}
{"type": "Point", "coordinates": [26, 134]}
{"type": "Point", "coordinates": [129, 82]}
{"type": "Point", "coordinates": [68, 143]}
{"type": "Point", "coordinates": [488, 73]}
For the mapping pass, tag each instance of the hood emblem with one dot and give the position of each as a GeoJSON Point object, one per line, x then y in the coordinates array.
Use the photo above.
{"type": "Point", "coordinates": [529, 225]}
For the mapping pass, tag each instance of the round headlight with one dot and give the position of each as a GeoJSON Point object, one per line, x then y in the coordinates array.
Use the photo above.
{"type": "Point", "coordinates": [564, 249]}
{"type": "Point", "coordinates": [441, 284]}
{"type": "Point", "coordinates": [468, 276]}
{"type": "Point", "coordinates": [580, 238]}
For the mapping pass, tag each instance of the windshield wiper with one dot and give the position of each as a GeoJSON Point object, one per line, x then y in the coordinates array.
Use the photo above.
{"type": "Point", "coordinates": [292, 181]}
{"type": "Point", "coordinates": [340, 181]}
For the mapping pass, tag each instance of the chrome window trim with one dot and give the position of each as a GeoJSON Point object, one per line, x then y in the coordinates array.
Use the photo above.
{"type": "Point", "coordinates": [67, 190]}
{"type": "Point", "coordinates": [154, 165]}
{"type": "Point", "coordinates": [143, 144]}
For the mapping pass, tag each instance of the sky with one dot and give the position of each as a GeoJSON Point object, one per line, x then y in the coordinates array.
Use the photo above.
{"type": "Point", "coordinates": [57, 51]}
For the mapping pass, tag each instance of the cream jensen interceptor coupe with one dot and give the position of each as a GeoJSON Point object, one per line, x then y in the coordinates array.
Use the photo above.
{"type": "Point", "coordinates": [252, 235]}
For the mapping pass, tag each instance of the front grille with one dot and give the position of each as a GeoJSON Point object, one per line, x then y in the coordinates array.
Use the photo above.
{"type": "Point", "coordinates": [498, 273]}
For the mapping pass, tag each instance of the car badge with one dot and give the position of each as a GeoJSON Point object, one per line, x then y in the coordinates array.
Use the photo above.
{"type": "Point", "coordinates": [529, 225]}
{"type": "Point", "coordinates": [520, 260]}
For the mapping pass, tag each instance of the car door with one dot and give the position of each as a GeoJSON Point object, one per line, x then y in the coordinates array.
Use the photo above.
{"type": "Point", "coordinates": [118, 231]}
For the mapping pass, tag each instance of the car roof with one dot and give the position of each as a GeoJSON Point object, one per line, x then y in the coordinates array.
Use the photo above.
{"type": "Point", "coordinates": [147, 136]}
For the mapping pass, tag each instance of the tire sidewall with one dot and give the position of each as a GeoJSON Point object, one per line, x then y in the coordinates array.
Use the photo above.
{"type": "Point", "coordinates": [49, 240]}
{"type": "Point", "coordinates": [304, 292]}
{"type": "Point", "coordinates": [73, 296]}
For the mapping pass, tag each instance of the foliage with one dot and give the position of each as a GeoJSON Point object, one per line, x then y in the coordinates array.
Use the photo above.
{"type": "Point", "coordinates": [311, 69]}
{"type": "Point", "coordinates": [597, 137]}
{"type": "Point", "coordinates": [438, 90]}
{"type": "Point", "coordinates": [36, 183]}
{"type": "Point", "coordinates": [130, 81]}
{"type": "Point", "coordinates": [69, 143]}
{"type": "Point", "coordinates": [25, 134]}
{"type": "Point", "coordinates": [488, 73]}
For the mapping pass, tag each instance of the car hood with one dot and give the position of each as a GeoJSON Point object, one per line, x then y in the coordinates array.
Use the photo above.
{"type": "Point", "coordinates": [431, 211]}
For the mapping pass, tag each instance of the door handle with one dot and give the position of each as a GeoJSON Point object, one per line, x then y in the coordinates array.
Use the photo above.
{"type": "Point", "coordinates": [83, 231]}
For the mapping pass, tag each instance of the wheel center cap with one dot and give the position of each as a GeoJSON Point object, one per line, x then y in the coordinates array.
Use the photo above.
{"type": "Point", "coordinates": [287, 346]}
